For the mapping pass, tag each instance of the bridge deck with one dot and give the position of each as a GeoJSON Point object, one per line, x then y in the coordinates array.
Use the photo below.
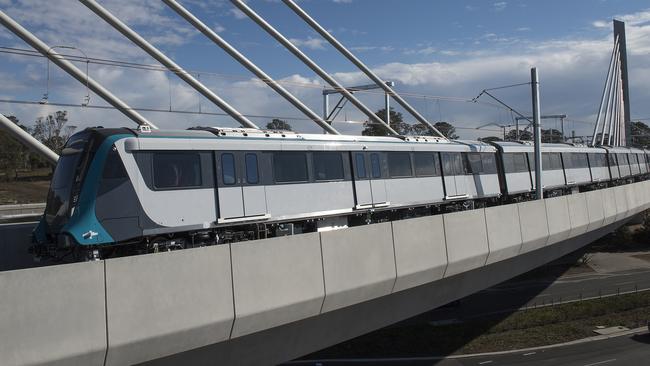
{"type": "Point", "coordinates": [269, 300]}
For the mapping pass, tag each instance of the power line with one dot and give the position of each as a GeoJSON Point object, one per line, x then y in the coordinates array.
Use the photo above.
{"type": "Point", "coordinates": [159, 68]}
{"type": "Point", "coordinates": [156, 110]}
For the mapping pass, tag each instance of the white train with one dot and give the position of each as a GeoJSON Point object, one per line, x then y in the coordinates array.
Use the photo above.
{"type": "Point", "coordinates": [123, 191]}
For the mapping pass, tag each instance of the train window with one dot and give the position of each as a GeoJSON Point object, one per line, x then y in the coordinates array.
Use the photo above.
{"type": "Point", "coordinates": [113, 168]}
{"type": "Point", "coordinates": [424, 164]}
{"type": "Point", "coordinates": [290, 167]}
{"type": "Point", "coordinates": [375, 165]}
{"type": "Point", "coordinates": [475, 164]}
{"type": "Point", "coordinates": [399, 164]}
{"type": "Point", "coordinates": [622, 159]}
{"type": "Point", "coordinates": [520, 162]}
{"type": "Point", "coordinates": [597, 160]}
{"type": "Point", "coordinates": [555, 161]}
{"type": "Point", "coordinates": [452, 163]}
{"type": "Point", "coordinates": [252, 175]}
{"type": "Point", "coordinates": [612, 159]}
{"type": "Point", "coordinates": [361, 165]}
{"type": "Point", "coordinates": [489, 162]}
{"type": "Point", "coordinates": [176, 169]}
{"type": "Point", "coordinates": [228, 168]}
{"type": "Point", "coordinates": [579, 160]}
{"type": "Point", "coordinates": [328, 166]}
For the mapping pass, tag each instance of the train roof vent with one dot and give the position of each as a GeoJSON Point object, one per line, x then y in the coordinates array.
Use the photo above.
{"type": "Point", "coordinates": [424, 139]}
{"type": "Point", "coordinates": [248, 132]}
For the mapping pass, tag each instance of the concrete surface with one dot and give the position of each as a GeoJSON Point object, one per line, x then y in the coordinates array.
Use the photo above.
{"type": "Point", "coordinates": [559, 221]}
{"type": "Point", "coordinates": [53, 315]}
{"type": "Point", "coordinates": [503, 232]}
{"type": "Point", "coordinates": [467, 244]}
{"type": "Point", "coordinates": [595, 209]}
{"type": "Point", "coordinates": [420, 251]}
{"type": "Point", "coordinates": [165, 303]}
{"type": "Point", "coordinates": [533, 225]}
{"type": "Point", "coordinates": [578, 214]}
{"type": "Point", "coordinates": [359, 264]}
{"type": "Point", "coordinates": [621, 203]}
{"type": "Point", "coordinates": [633, 201]}
{"type": "Point", "coordinates": [610, 208]}
{"type": "Point", "coordinates": [276, 281]}
{"type": "Point", "coordinates": [616, 262]}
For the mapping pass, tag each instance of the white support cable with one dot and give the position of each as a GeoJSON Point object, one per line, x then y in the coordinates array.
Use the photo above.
{"type": "Point", "coordinates": [28, 140]}
{"type": "Point", "coordinates": [605, 88]}
{"type": "Point", "coordinates": [143, 44]}
{"type": "Point", "coordinates": [607, 127]}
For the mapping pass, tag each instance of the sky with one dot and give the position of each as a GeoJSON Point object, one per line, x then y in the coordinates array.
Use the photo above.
{"type": "Point", "coordinates": [440, 54]}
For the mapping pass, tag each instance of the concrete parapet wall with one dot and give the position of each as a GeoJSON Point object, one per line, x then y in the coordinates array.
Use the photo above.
{"type": "Point", "coordinates": [559, 222]}
{"type": "Point", "coordinates": [135, 309]}
{"type": "Point", "coordinates": [467, 243]}
{"type": "Point", "coordinates": [503, 232]}
{"type": "Point", "coordinates": [358, 264]}
{"type": "Point", "coordinates": [276, 281]}
{"type": "Point", "coordinates": [578, 214]}
{"type": "Point", "coordinates": [420, 251]}
{"type": "Point", "coordinates": [53, 315]}
{"type": "Point", "coordinates": [610, 207]}
{"type": "Point", "coordinates": [595, 209]}
{"type": "Point", "coordinates": [9, 212]}
{"type": "Point", "coordinates": [165, 303]}
{"type": "Point", "coordinates": [533, 225]}
{"type": "Point", "coordinates": [621, 202]}
{"type": "Point", "coordinates": [633, 201]}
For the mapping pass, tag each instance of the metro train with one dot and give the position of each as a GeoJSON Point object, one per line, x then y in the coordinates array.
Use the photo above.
{"type": "Point", "coordinates": [125, 191]}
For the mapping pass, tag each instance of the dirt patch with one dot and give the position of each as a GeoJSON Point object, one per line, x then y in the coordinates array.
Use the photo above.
{"type": "Point", "coordinates": [23, 192]}
{"type": "Point", "coordinates": [645, 257]}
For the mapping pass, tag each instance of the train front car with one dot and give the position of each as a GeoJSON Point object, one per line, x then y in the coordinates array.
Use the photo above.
{"type": "Point", "coordinates": [70, 227]}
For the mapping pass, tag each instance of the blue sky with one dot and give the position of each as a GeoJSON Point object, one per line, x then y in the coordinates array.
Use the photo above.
{"type": "Point", "coordinates": [429, 48]}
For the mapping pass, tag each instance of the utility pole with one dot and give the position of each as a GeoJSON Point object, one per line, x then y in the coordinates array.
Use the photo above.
{"type": "Point", "coordinates": [534, 83]}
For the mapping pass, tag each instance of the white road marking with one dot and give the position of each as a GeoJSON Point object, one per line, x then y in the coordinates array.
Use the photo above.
{"type": "Point", "coordinates": [485, 362]}
{"type": "Point", "coordinates": [529, 353]}
{"type": "Point", "coordinates": [600, 362]}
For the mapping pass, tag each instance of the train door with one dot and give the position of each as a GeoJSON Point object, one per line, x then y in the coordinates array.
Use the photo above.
{"type": "Point", "coordinates": [253, 193]}
{"type": "Point", "coordinates": [377, 184]}
{"type": "Point", "coordinates": [240, 194]}
{"type": "Point", "coordinates": [370, 189]}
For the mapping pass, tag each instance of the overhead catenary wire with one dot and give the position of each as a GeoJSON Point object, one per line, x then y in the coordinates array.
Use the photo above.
{"type": "Point", "coordinates": [205, 113]}
{"type": "Point", "coordinates": [151, 67]}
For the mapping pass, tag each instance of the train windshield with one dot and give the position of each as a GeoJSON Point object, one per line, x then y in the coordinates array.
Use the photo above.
{"type": "Point", "coordinates": [66, 178]}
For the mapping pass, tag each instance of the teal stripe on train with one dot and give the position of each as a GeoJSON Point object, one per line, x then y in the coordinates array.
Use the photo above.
{"type": "Point", "coordinates": [84, 220]}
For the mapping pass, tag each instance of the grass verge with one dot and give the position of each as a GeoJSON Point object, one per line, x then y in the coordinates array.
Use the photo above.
{"type": "Point", "coordinates": [521, 329]}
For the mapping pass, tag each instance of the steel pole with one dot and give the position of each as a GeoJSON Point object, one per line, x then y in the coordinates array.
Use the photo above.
{"type": "Point", "coordinates": [311, 64]}
{"type": "Point", "coordinates": [166, 61]}
{"type": "Point", "coordinates": [387, 106]}
{"type": "Point", "coordinates": [538, 134]}
{"type": "Point", "coordinates": [28, 140]}
{"type": "Point", "coordinates": [326, 106]}
{"type": "Point", "coordinates": [334, 42]}
{"type": "Point", "coordinates": [234, 53]}
{"type": "Point", "coordinates": [72, 70]}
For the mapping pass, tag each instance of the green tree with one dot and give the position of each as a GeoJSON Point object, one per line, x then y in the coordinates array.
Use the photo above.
{"type": "Point", "coordinates": [52, 131]}
{"type": "Point", "coordinates": [396, 123]}
{"type": "Point", "coordinates": [489, 139]}
{"type": "Point", "coordinates": [640, 134]}
{"type": "Point", "coordinates": [446, 129]}
{"type": "Point", "coordinates": [278, 124]}
{"type": "Point", "coordinates": [524, 135]}
{"type": "Point", "coordinates": [13, 155]}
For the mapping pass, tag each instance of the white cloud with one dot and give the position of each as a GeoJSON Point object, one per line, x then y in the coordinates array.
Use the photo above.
{"type": "Point", "coordinates": [310, 42]}
{"type": "Point", "coordinates": [218, 28]}
{"type": "Point", "coordinates": [342, 1]}
{"type": "Point", "coordinates": [499, 6]}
